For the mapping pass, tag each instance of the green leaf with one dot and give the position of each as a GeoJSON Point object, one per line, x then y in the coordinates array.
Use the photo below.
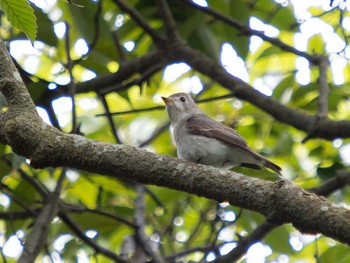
{"type": "Point", "coordinates": [46, 32]}
{"type": "Point", "coordinates": [21, 15]}
{"type": "Point", "coordinates": [316, 45]}
{"type": "Point", "coordinates": [328, 172]}
{"type": "Point", "coordinates": [339, 253]}
{"type": "Point", "coordinates": [285, 85]}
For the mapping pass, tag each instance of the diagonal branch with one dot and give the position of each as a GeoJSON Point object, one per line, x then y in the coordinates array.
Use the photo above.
{"type": "Point", "coordinates": [126, 70]}
{"type": "Point", "coordinates": [37, 238]}
{"type": "Point", "coordinates": [312, 125]}
{"type": "Point", "coordinates": [138, 19]}
{"type": "Point", "coordinates": [80, 233]}
{"type": "Point", "coordinates": [258, 234]}
{"type": "Point", "coordinates": [169, 22]}
{"type": "Point", "coordinates": [140, 222]}
{"type": "Point", "coordinates": [248, 31]}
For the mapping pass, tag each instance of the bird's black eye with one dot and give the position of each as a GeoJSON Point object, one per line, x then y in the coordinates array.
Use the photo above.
{"type": "Point", "coordinates": [183, 99]}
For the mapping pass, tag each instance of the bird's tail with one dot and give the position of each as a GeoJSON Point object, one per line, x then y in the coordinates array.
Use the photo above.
{"type": "Point", "coordinates": [272, 166]}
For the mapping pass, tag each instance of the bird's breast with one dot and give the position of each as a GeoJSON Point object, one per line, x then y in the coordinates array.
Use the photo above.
{"type": "Point", "coordinates": [200, 149]}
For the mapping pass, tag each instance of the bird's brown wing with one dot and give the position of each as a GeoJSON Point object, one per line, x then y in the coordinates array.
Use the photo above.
{"type": "Point", "coordinates": [202, 125]}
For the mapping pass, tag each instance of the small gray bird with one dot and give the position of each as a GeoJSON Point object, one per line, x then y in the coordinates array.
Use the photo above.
{"type": "Point", "coordinates": [201, 139]}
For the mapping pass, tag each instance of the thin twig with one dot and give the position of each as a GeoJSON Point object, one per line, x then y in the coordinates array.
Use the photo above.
{"type": "Point", "coordinates": [163, 107]}
{"type": "Point", "coordinates": [338, 182]}
{"type": "Point", "coordinates": [155, 134]}
{"type": "Point", "coordinates": [118, 45]}
{"type": "Point", "coordinates": [110, 119]}
{"type": "Point", "coordinates": [324, 88]}
{"type": "Point", "coordinates": [168, 19]}
{"type": "Point", "coordinates": [37, 238]}
{"type": "Point", "coordinates": [154, 197]}
{"type": "Point", "coordinates": [81, 209]}
{"type": "Point", "coordinates": [18, 215]}
{"type": "Point", "coordinates": [146, 75]}
{"type": "Point", "coordinates": [140, 222]}
{"type": "Point", "coordinates": [16, 200]}
{"type": "Point", "coordinates": [138, 19]}
{"type": "Point", "coordinates": [40, 188]}
{"type": "Point", "coordinates": [72, 86]}
{"type": "Point", "coordinates": [80, 233]}
{"type": "Point", "coordinates": [97, 15]}
{"type": "Point", "coordinates": [204, 249]}
{"type": "Point", "coordinates": [258, 234]}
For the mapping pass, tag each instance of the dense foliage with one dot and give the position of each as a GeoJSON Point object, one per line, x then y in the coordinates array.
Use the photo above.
{"type": "Point", "coordinates": [98, 68]}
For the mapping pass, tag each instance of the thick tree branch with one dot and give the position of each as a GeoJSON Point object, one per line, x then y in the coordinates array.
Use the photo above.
{"type": "Point", "coordinates": [126, 70]}
{"type": "Point", "coordinates": [326, 189]}
{"type": "Point", "coordinates": [244, 29]}
{"type": "Point", "coordinates": [280, 202]}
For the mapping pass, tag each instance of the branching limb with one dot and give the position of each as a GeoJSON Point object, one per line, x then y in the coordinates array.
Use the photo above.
{"type": "Point", "coordinates": [126, 70]}
{"type": "Point", "coordinates": [18, 215]}
{"type": "Point", "coordinates": [140, 221]}
{"type": "Point", "coordinates": [80, 233]}
{"type": "Point", "coordinates": [36, 239]}
{"type": "Point", "coordinates": [146, 75]}
{"type": "Point", "coordinates": [245, 242]}
{"type": "Point", "coordinates": [341, 180]}
{"type": "Point", "coordinates": [31, 180]}
{"type": "Point", "coordinates": [244, 29]}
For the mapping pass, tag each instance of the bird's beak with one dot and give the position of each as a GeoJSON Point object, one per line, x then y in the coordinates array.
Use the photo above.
{"type": "Point", "coordinates": [167, 100]}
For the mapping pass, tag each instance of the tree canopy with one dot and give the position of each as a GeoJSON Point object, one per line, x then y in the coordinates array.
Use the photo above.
{"type": "Point", "coordinates": [88, 166]}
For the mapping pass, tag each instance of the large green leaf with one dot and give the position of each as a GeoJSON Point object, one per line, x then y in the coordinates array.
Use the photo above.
{"type": "Point", "coordinates": [21, 15]}
{"type": "Point", "coordinates": [316, 44]}
{"type": "Point", "coordinates": [46, 32]}
{"type": "Point", "coordinates": [339, 253]}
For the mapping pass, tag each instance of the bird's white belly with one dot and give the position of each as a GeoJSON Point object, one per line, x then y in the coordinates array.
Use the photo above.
{"type": "Point", "coordinates": [205, 150]}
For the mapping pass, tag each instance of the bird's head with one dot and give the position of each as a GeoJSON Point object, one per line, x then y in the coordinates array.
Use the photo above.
{"type": "Point", "coordinates": [180, 106]}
